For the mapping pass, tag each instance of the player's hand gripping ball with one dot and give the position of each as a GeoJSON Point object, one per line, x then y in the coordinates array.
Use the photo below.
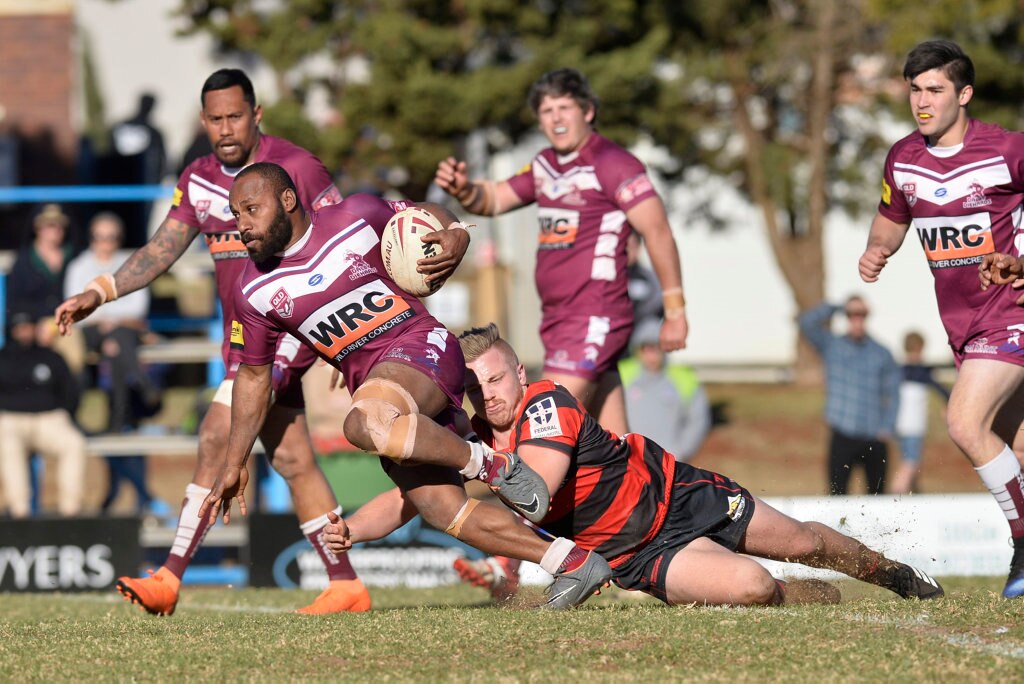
{"type": "Point", "coordinates": [401, 248]}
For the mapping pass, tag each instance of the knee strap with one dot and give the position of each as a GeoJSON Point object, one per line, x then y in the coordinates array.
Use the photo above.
{"type": "Point", "coordinates": [391, 416]}
{"type": "Point", "coordinates": [455, 527]}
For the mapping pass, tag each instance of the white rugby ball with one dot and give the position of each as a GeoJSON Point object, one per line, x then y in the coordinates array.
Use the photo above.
{"type": "Point", "coordinates": [401, 248]}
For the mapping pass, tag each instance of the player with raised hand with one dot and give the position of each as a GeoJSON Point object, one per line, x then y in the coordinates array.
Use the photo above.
{"type": "Point", "coordinates": [323, 279]}
{"type": "Point", "coordinates": [232, 119]}
{"type": "Point", "coordinates": [961, 183]}
{"type": "Point", "coordinates": [590, 195]}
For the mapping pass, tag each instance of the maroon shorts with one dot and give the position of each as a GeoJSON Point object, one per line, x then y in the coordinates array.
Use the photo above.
{"type": "Point", "coordinates": [1004, 344]}
{"type": "Point", "coordinates": [584, 346]}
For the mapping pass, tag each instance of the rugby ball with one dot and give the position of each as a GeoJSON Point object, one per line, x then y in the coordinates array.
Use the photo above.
{"type": "Point", "coordinates": [401, 248]}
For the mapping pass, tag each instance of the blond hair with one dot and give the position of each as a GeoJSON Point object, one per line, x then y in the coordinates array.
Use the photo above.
{"type": "Point", "coordinates": [475, 342]}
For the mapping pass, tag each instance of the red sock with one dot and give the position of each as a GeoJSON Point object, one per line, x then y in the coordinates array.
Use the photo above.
{"type": "Point", "coordinates": [338, 567]}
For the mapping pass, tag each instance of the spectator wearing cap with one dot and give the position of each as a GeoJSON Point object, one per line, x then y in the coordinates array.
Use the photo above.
{"type": "Point", "coordinates": [36, 280]}
{"type": "Point", "coordinates": [861, 393]}
{"type": "Point", "coordinates": [664, 401]}
{"type": "Point", "coordinates": [38, 399]}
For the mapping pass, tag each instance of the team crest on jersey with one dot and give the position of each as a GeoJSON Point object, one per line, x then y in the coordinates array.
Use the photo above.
{"type": "Point", "coordinates": [910, 192]}
{"type": "Point", "coordinates": [737, 504]}
{"type": "Point", "coordinates": [357, 266]}
{"type": "Point", "coordinates": [283, 304]}
{"type": "Point", "coordinates": [977, 197]}
{"type": "Point", "coordinates": [543, 417]}
{"type": "Point", "coordinates": [202, 209]}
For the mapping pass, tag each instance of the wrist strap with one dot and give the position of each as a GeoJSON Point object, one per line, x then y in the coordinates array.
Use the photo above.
{"type": "Point", "coordinates": [105, 286]}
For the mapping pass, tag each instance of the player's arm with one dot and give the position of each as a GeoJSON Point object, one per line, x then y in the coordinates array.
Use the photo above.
{"type": "Point", "coordinates": [453, 243]}
{"type": "Point", "coordinates": [482, 197]}
{"type": "Point", "coordinates": [148, 262]}
{"type": "Point", "coordinates": [250, 400]}
{"type": "Point", "coordinates": [376, 519]}
{"type": "Point", "coordinates": [550, 463]}
{"type": "Point", "coordinates": [649, 219]}
{"type": "Point", "coordinates": [885, 238]}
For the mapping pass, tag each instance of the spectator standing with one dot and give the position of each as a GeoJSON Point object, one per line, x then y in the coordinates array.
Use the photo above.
{"type": "Point", "coordinates": [664, 401]}
{"type": "Point", "coordinates": [137, 156]}
{"type": "Point", "coordinates": [912, 418]}
{"type": "Point", "coordinates": [38, 399]}
{"type": "Point", "coordinates": [862, 393]}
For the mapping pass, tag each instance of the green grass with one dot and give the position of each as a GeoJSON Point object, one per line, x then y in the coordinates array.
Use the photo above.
{"type": "Point", "coordinates": [452, 633]}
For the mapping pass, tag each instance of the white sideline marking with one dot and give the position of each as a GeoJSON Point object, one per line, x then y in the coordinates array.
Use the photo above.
{"type": "Point", "coordinates": [87, 598]}
{"type": "Point", "coordinates": [968, 642]}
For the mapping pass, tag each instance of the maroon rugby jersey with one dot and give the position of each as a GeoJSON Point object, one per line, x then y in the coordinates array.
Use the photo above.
{"type": "Point", "coordinates": [963, 207]}
{"type": "Point", "coordinates": [331, 291]}
{"type": "Point", "coordinates": [582, 201]}
{"type": "Point", "coordinates": [616, 493]}
{"type": "Point", "coordinates": [201, 201]}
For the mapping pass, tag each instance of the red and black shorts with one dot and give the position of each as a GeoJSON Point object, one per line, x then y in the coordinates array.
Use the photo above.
{"type": "Point", "coordinates": [703, 504]}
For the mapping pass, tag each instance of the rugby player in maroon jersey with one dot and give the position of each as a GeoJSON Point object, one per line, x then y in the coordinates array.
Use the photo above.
{"type": "Point", "coordinates": [322, 279]}
{"type": "Point", "coordinates": [590, 195]}
{"type": "Point", "coordinates": [666, 528]}
{"type": "Point", "coordinates": [231, 119]}
{"type": "Point", "coordinates": [960, 181]}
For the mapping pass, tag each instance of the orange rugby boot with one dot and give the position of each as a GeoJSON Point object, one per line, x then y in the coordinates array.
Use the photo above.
{"type": "Point", "coordinates": [340, 596]}
{"type": "Point", "coordinates": [495, 574]}
{"type": "Point", "coordinates": [156, 594]}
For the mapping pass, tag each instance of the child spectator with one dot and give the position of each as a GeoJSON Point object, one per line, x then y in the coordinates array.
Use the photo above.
{"type": "Point", "coordinates": [912, 418]}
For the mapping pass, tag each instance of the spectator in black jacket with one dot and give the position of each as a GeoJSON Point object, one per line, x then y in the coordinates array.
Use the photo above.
{"type": "Point", "coordinates": [38, 399]}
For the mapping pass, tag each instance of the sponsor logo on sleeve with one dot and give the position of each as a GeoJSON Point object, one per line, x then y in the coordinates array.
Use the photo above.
{"type": "Point", "coordinates": [178, 196]}
{"type": "Point", "coordinates": [886, 193]}
{"type": "Point", "coordinates": [349, 322]}
{"type": "Point", "coordinates": [237, 335]}
{"type": "Point", "coordinates": [326, 198]}
{"type": "Point", "coordinates": [638, 186]}
{"type": "Point", "coordinates": [543, 418]}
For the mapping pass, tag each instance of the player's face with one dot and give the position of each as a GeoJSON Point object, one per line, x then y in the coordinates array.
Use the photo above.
{"type": "Point", "coordinates": [494, 385]}
{"type": "Point", "coordinates": [232, 126]}
{"type": "Point", "coordinates": [564, 123]}
{"type": "Point", "coordinates": [939, 110]}
{"type": "Point", "coordinates": [261, 218]}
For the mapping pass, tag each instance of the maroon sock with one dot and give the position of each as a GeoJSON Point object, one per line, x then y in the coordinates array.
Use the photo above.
{"type": "Point", "coordinates": [190, 532]}
{"type": "Point", "coordinates": [574, 560]}
{"type": "Point", "coordinates": [338, 567]}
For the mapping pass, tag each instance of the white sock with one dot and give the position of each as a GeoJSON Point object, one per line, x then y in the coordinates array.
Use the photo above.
{"type": "Point", "coordinates": [188, 521]}
{"type": "Point", "coordinates": [556, 554]}
{"type": "Point", "coordinates": [318, 523]}
{"type": "Point", "coordinates": [477, 451]}
{"type": "Point", "coordinates": [1000, 474]}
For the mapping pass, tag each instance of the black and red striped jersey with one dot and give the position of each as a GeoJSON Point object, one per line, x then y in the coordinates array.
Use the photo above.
{"type": "Point", "coordinates": [616, 492]}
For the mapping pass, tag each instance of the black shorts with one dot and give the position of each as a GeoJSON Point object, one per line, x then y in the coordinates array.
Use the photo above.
{"type": "Point", "coordinates": [703, 504]}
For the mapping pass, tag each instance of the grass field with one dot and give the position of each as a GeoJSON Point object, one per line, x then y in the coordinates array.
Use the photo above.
{"type": "Point", "coordinates": [455, 634]}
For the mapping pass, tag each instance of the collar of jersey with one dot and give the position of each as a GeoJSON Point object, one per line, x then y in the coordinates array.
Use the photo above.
{"type": "Point", "coordinates": [299, 244]}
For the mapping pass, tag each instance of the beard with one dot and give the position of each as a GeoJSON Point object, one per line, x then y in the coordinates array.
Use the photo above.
{"type": "Point", "coordinates": [279, 233]}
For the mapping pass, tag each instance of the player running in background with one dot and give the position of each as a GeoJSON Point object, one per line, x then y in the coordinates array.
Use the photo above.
{"type": "Point", "coordinates": [231, 119]}
{"type": "Point", "coordinates": [322, 279]}
{"type": "Point", "coordinates": [961, 182]}
{"type": "Point", "coordinates": [590, 194]}
{"type": "Point", "coordinates": [666, 528]}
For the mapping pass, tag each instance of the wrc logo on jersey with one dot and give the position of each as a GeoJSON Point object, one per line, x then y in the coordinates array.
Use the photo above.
{"type": "Point", "coordinates": [350, 321]}
{"type": "Point", "coordinates": [952, 241]}
{"type": "Point", "coordinates": [542, 417]}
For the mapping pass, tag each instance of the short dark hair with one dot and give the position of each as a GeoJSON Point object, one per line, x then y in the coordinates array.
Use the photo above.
{"type": "Point", "coordinates": [562, 82]}
{"type": "Point", "coordinates": [940, 54]}
{"type": "Point", "coordinates": [222, 79]}
{"type": "Point", "coordinates": [272, 173]}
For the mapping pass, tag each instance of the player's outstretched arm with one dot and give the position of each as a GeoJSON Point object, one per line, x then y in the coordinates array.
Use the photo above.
{"type": "Point", "coordinates": [885, 238]}
{"type": "Point", "coordinates": [376, 519]}
{"type": "Point", "coordinates": [486, 197]}
{"type": "Point", "coordinates": [169, 242]}
{"type": "Point", "coordinates": [651, 222]}
{"type": "Point", "coordinates": [250, 399]}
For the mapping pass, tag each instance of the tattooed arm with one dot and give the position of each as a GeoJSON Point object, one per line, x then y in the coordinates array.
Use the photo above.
{"type": "Point", "coordinates": [148, 262]}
